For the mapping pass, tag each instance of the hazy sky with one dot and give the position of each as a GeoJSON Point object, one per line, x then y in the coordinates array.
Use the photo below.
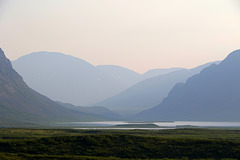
{"type": "Point", "coordinates": [137, 34]}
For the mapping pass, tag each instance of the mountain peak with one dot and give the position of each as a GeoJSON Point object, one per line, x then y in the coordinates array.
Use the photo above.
{"type": "Point", "coordinates": [234, 54]}
{"type": "Point", "coordinates": [5, 64]}
{"type": "Point", "coordinates": [20, 104]}
{"type": "Point", "coordinates": [212, 95]}
{"type": "Point", "coordinates": [1, 53]}
{"type": "Point", "coordinates": [233, 59]}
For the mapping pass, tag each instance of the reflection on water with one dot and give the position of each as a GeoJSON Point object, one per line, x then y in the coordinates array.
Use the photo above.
{"type": "Point", "coordinates": [100, 123]}
{"type": "Point", "coordinates": [126, 128]}
{"type": "Point", "coordinates": [160, 124]}
{"type": "Point", "coordinates": [198, 124]}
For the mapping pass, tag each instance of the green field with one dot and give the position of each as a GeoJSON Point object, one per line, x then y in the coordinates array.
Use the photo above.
{"type": "Point", "coordinates": [70, 144]}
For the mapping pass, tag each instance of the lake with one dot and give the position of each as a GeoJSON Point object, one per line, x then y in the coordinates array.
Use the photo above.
{"type": "Point", "coordinates": [161, 125]}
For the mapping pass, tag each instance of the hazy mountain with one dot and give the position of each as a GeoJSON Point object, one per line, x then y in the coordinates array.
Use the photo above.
{"type": "Point", "coordinates": [149, 92]}
{"type": "Point", "coordinates": [69, 79]}
{"type": "Point", "coordinates": [98, 111]}
{"type": "Point", "coordinates": [66, 78]}
{"type": "Point", "coordinates": [156, 72]}
{"type": "Point", "coordinates": [212, 95]}
{"type": "Point", "coordinates": [126, 76]}
{"type": "Point", "coordinates": [123, 76]}
{"type": "Point", "coordinates": [19, 104]}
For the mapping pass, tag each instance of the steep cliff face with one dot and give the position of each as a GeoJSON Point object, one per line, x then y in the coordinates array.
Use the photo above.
{"type": "Point", "coordinates": [15, 94]}
{"type": "Point", "coordinates": [9, 78]}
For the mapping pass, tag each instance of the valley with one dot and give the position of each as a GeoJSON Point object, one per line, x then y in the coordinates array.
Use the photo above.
{"type": "Point", "coordinates": [119, 80]}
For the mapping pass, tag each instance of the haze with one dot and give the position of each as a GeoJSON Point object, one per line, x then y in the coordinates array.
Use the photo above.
{"type": "Point", "coordinates": [137, 34]}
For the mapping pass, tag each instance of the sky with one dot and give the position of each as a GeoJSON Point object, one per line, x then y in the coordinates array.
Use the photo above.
{"type": "Point", "coordinates": [136, 34]}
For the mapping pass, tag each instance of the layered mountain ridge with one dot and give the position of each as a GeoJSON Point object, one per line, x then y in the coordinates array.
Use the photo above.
{"type": "Point", "coordinates": [150, 92]}
{"type": "Point", "coordinates": [20, 105]}
{"type": "Point", "coordinates": [212, 95]}
{"type": "Point", "coordinates": [69, 79]}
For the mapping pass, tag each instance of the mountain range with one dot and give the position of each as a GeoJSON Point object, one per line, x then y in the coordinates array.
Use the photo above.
{"type": "Point", "coordinates": [212, 95]}
{"type": "Point", "coordinates": [97, 111]}
{"type": "Point", "coordinates": [149, 92]}
{"type": "Point", "coordinates": [22, 106]}
{"type": "Point", "coordinates": [206, 93]}
{"type": "Point", "coordinates": [69, 79]}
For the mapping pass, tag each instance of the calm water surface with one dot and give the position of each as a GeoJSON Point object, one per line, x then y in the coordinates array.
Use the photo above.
{"type": "Point", "coordinates": [160, 124]}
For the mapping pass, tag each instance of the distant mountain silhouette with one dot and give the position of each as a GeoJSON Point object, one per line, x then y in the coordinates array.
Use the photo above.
{"type": "Point", "coordinates": [97, 111]}
{"type": "Point", "coordinates": [66, 78]}
{"type": "Point", "coordinates": [212, 95]}
{"type": "Point", "coordinates": [149, 92]}
{"type": "Point", "coordinates": [156, 72]}
{"type": "Point", "coordinates": [123, 76]}
{"type": "Point", "coordinates": [69, 79]}
{"type": "Point", "coordinates": [20, 105]}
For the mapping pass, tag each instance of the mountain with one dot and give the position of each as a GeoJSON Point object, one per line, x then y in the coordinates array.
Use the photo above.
{"type": "Point", "coordinates": [212, 95]}
{"type": "Point", "coordinates": [20, 105]}
{"type": "Point", "coordinates": [69, 79]}
{"type": "Point", "coordinates": [149, 92]}
{"type": "Point", "coordinates": [98, 111]}
{"type": "Point", "coordinates": [126, 76]}
{"type": "Point", "coordinates": [156, 72]}
{"type": "Point", "coordinates": [123, 76]}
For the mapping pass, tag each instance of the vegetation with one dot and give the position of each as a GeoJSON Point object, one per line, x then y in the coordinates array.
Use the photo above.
{"type": "Point", "coordinates": [49, 144]}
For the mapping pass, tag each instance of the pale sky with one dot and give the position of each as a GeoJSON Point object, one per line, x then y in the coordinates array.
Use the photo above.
{"type": "Point", "coordinates": [136, 34]}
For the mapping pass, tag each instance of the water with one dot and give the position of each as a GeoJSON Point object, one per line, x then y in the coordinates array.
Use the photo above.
{"type": "Point", "coordinates": [125, 128]}
{"type": "Point", "coordinates": [162, 125]}
{"type": "Point", "coordinates": [198, 124]}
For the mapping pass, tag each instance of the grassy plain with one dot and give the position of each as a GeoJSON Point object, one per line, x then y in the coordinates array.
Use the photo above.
{"type": "Point", "coordinates": [184, 144]}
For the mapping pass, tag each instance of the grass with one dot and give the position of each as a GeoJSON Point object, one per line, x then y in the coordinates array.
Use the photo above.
{"type": "Point", "coordinates": [171, 133]}
{"type": "Point", "coordinates": [76, 144]}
